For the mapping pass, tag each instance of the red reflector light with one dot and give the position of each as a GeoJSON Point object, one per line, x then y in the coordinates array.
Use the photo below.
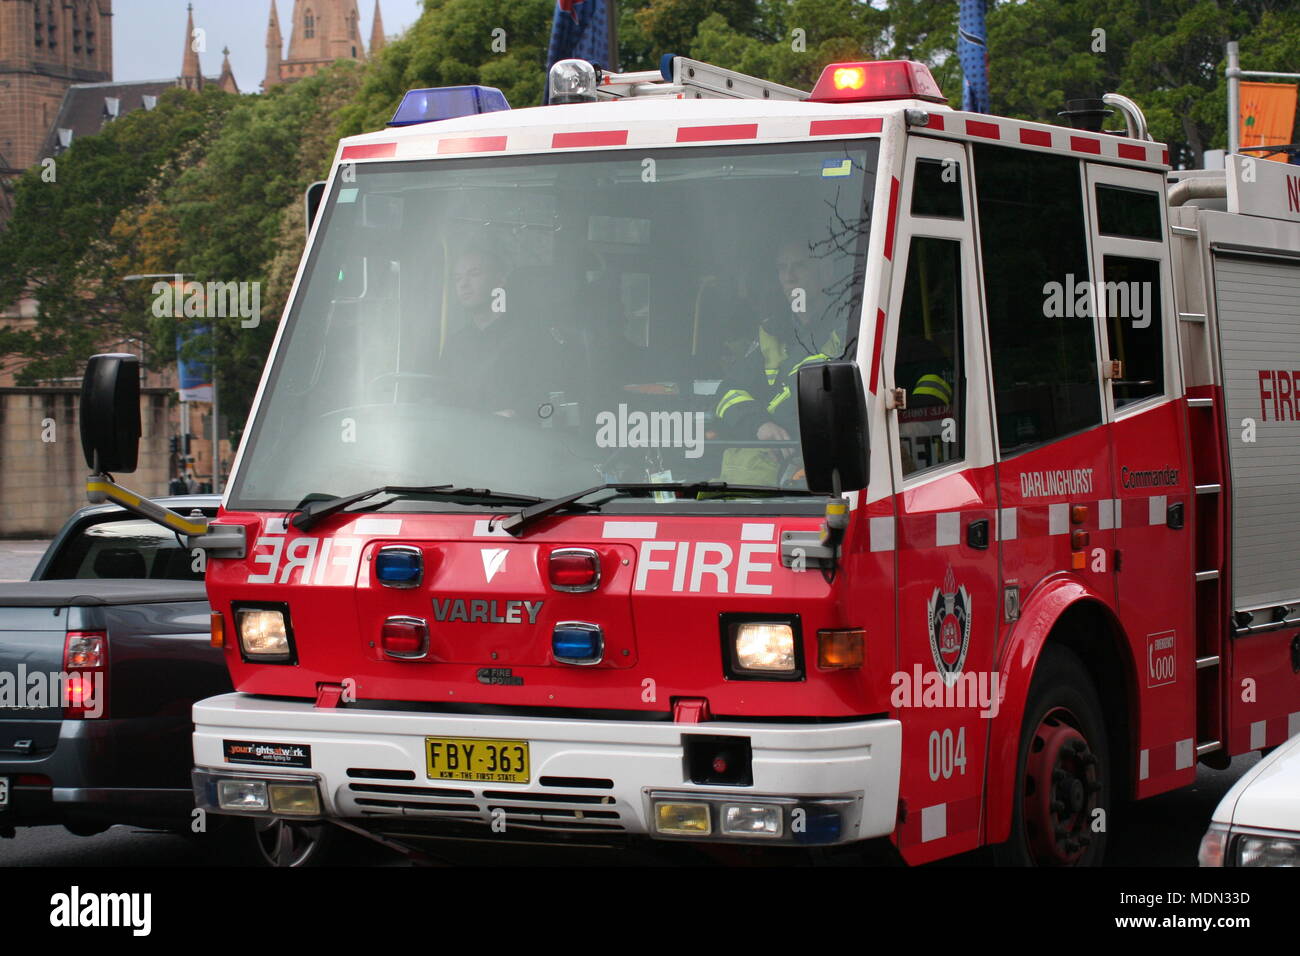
{"type": "Point", "coordinates": [574, 569]}
{"type": "Point", "coordinates": [880, 80]}
{"type": "Point", "coordinates": [406, 638]}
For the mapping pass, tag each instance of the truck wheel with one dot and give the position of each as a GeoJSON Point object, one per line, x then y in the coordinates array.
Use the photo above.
{"type": "Point", "coordinates": [1063, 773]}
{"type": "Point", "coordinates": [278, 842]}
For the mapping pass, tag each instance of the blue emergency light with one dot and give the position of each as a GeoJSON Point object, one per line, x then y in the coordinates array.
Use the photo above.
{"type": "Point", "coordinates": [399, 566]}
{"type": "Point", "coordinates": [577, 643]}
{"type": "Point", "coordinates": [447, 102]}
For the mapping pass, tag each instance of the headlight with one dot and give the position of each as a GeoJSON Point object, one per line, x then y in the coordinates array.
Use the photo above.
{"type": "Point", "coordinates": [765, 647]}
{"type": "Point", "coordinates": [1267, 851]}
{"type": "Point", "coordinates": [264, 634]}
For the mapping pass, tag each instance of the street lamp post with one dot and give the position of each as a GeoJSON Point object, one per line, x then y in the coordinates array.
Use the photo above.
{"type": "Point", "coordinates": [216, 433]}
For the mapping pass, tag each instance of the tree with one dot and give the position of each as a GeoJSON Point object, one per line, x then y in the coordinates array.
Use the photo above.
{"type": "Point", "coordinates": [60, 247]}
{"type": "Point", "coordinates": [499, 43]}
{"type": "Point", "coordinates": [1167, 55]}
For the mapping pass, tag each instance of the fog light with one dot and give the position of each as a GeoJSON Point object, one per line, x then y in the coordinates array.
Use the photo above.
{"type": "Point", "coordinates": [242, 795]}
{"type": "Point", "coordinates": [690, 819]}
{"type": "Point", "coordinates": [751, 819]}
{"type": "Point", "coordinates": [297, 799]}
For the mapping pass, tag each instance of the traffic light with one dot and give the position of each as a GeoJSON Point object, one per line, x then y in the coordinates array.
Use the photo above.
{"type": "Point", "coordinates": [174, 445]}
{"type": "Point", "coordinates": [188, 436]}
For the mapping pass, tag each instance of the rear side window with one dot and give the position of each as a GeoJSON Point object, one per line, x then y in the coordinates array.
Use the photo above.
{"type": "Point", "coordinates": [124, 548]}
{"type": "Point", "coordinates": [1042, 340]}
{"type": "Point", "coordinates": [1129, 213]}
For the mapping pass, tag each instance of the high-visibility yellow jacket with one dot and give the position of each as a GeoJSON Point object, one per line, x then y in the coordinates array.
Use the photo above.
{"type": "Point", "coordinates": [763, 384]}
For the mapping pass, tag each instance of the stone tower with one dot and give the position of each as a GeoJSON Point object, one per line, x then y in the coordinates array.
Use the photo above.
{"type": "Point", "coordinates": [320, 32]}
{"type": "Point", "coordinates": [45, 47]}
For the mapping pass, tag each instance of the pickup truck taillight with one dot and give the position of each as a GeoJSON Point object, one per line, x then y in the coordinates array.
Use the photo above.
{"type": "Point", "coordinates": [85, 661]}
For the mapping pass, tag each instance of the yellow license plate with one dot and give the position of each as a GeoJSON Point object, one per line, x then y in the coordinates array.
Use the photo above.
{"type": "Point", "coordinates": [477, 758]}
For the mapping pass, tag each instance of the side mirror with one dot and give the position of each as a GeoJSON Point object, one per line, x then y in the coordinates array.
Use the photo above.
{"type": "Point", "coordinates": [833, 427]}
{"type": "Point", "coordinates": [110, 412]}
{"type": "Point", "coordinates": [312, 199]}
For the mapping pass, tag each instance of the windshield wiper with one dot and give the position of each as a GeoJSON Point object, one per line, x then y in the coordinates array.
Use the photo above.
{"type": "Point", "coordinates": [516, 524]}
{"type": "Point", "coordinates": [314, 508]}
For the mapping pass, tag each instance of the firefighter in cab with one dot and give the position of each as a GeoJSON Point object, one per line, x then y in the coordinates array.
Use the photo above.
{"type": "Point", "coordinates": [758, 399]}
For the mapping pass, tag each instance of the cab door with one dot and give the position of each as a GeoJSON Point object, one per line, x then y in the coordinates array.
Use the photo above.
{"type": "Point", "coordinates": [943, 473]}
{"type": "Point", "coordinates": [1154, 493]}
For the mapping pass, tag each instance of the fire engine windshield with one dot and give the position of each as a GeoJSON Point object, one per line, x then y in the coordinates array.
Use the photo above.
{"type": "Point", "coordinates": [540, 324]}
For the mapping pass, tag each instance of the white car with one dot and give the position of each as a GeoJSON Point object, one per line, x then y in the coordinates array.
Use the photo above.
{"type": "Point", "coordinates": [1257, 823]}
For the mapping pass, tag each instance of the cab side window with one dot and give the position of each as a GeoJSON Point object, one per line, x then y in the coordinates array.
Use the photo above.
{"type": "Point", "coordinates": [929, 362]}
{"type": "Point", "coordinates": [1042, 340]}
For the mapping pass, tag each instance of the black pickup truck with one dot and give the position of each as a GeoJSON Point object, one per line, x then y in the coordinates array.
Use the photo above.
{"type": "Point", "coordinates": [102, 655]}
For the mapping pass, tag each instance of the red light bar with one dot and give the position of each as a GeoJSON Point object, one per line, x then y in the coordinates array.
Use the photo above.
{"type": "Point", "coordinates": [878, 80]}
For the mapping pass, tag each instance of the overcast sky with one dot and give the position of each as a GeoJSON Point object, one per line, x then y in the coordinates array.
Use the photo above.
{"type": "Point", "coordinates": [149, 35]}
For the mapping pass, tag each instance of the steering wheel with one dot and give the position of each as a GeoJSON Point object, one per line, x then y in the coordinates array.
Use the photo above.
{"type": "Point", "coordinates": [397, 378]}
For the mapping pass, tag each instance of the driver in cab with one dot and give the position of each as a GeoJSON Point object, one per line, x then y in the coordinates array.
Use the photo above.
{"type": "Point", "coordinates": [497, 360]}
{"type": "Point", "coordinates": [758, 400]}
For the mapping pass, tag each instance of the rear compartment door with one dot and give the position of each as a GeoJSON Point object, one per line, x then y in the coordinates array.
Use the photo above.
{"type": "Point", "coordinates": [1258, 307]}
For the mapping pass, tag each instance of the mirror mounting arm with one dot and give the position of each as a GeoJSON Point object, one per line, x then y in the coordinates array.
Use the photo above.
{"type": "Point", "coordinates": [101, 488]}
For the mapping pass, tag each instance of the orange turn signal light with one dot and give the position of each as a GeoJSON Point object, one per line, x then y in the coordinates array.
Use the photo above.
{"type": "Point", "coordinates": [1078, 514]}
{"type": "Point", "coordinates": [840, 649]}
{"type": "Point", "coordinates": [1078, 540]}
{"type": "Point", "coordinates": [1078, 560]}
{"type": "Point", "coordinates": [218, 630]}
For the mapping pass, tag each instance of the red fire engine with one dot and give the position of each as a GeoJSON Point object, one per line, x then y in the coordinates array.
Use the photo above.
{"type": "Point", "coordinates": [702, 459]}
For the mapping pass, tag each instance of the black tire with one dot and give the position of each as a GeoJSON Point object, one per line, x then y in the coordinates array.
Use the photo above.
{"type": "Point", "coordinates": [269, 841]}
{"type": "Point", "coordinates": [1057, 827]}
{"type": "Point", "coordinates": [278, 842]}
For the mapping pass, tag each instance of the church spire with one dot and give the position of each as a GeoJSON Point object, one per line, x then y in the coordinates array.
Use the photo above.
{"type": "Point", "coordinates": [274, 50]}
{"type": "Point", "coordinates": [227, 80]}
{"type": "Point", "coordinates": [191, 73]}
{"type": "Point", "coordinates": [376, 32]}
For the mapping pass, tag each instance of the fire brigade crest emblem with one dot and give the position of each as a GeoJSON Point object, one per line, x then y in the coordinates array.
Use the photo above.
{"type": "Point", "coordinates": [949, 619]}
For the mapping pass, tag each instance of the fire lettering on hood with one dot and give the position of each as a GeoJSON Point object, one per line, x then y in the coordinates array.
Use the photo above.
{"type": "Point", "coordinates": [705, 566]}
{"type": "Point", "coordinates": [324, 561]}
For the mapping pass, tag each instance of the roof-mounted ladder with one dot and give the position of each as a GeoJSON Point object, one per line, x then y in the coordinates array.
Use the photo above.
{"type": "Point", "coordinates": [681, 78]}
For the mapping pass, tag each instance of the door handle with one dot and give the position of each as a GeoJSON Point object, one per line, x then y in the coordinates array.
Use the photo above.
{"type": "Point", "coordinates": [977, 534]}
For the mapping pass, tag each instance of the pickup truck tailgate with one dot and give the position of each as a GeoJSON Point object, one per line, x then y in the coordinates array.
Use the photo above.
{"type": "Point", "coordinates": [35, 617]}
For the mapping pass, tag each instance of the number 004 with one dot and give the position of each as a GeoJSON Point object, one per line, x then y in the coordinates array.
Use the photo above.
{"type": "Point", "coordinates": [947, 753]}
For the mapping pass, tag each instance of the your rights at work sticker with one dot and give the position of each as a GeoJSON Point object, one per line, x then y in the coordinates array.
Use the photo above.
{"type": "Point", "coordinates": [275, 755]}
